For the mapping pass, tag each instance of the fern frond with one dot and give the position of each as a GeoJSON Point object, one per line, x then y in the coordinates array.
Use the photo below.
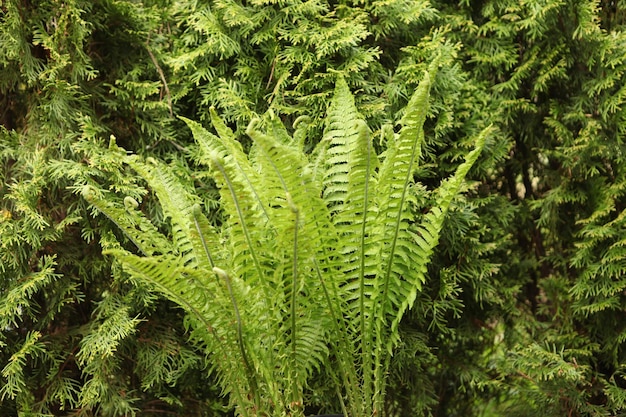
{"type": "Point", "coordinates": [298, 215]}
{"type": "Point", "coordinates": [245, 228]}
{"type": "Point", "coordinates": [427, 234]}
{"type": "Point", "coordinates": [132, 222]}
{"type": "Point", "coordinates": [204, 238]}
{"type": "Point", "coordinates": [239, 185]}
{"type": "Point", "coordinates": [181, 207]}
{"type": "Point", "coordinates": [400, 162]}
{"type": "Point", "coordinates": [226, 145]}
{"type": "Point", "coordinates": [349, 154]}
{"type": "Point", "coordinates": [348, 179]}
{"type": "Point", "coordinates": [188, 288]}
{"type": "Point", "coordinates": [289, 184]}
{"type": "Point", "coordinates": [168, 275]}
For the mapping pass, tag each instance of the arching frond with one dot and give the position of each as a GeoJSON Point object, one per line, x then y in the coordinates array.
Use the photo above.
{"type": "Point", "coordinates": [426, 235]}
{"type": "Point", "coordinates": [133, 223]}
{"type": "Point", "coordinates": [181, 207]}
{"type": "Point", "coordinates": [226, 145]}
{"type": "Point", "coordinates": [317, 255]}
{"type": "Point", "coordinates": [210, 315]}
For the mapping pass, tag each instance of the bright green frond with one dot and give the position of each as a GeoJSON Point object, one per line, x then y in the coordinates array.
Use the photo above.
{"type": "Point", "coordinates": [132, 222]}
{"type": "Point", "coordinates": [230, 149]}
{"type": "Point", "coordinates": [393, 195]}
{"type": "Point", "coordinates": [178, 205]}
{"type": "Point", "coordinates": [169, 276]}
{"type": "Point", "coordinates": [211, 316]}
{"type": "Point", "coordinates": [350, 158]}
{"type": "Point", "coordinates": [245, 226]}
{"type": "Point", "coordinates": [401, 158]}
{"type": "Point", "coordinates": [427, 234]}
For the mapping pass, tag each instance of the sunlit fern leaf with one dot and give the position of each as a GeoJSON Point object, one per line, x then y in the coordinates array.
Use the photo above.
{"type": "Point", "coordinates": [298, 214]}
{"type": "Point", "coordinates": [245, 227]}
{"type": "Point", "coordinates": [178, 204]}
{"type": "Point", "coordinates": [188, 288]}
{"type": "Point", "coordinates": [168, 275]}
{"type": "Point", "coordinates": [371, 217]}
{"type": "Point", "coordinates": [351, 160]}
{"type": "Point", "coordinates": [395, 177]}
{"type": "Point", "coordinates": [301, 131]}
{"type": "Point", "coordinates": [288, 176]}
{"type": "Point", "coordinates": [277, 130]}
{"type": "Point", "coordinates": [221, 128]}
{"type": "Point", "coordinates": [225, 144]}
{"type": "Point", "coordinates": [133, 223]}
{"type": "Point", "coordinates": [246, 230]}
{"type": "Point", "coordinates": [318, 159]}
{"type": "Point", "coordinates": [427, 235]}
{"type": "Point", "coordinates": [348, 184]}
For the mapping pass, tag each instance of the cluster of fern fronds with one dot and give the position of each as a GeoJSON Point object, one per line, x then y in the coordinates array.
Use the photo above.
{"type": "Point", "coordinates": [315, 262]}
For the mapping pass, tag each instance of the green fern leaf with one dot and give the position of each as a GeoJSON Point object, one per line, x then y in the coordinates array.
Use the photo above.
{"type": "Point", "coordinates": [188, 288]}
{"type": "Point", "coordinates": [427, 236]}
{"type": "Point", "coordinates": [132, 222]}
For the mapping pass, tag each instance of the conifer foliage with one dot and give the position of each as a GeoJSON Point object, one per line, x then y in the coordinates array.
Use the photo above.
{"type": "Point", "coordinates": [520, 310]}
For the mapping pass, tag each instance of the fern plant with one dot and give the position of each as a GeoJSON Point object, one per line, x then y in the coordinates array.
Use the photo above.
{"type": "Point", "coordinates": [316, 260]}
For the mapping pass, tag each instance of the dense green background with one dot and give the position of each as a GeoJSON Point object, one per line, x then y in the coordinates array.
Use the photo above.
{"type": "Point", "coordinates": [524, 310]}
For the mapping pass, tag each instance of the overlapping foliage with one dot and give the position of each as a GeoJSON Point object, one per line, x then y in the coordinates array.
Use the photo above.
{"type": "Point", "coordinates": [521, 311]}
{"type": "Point", "coordinates": [314, 253]}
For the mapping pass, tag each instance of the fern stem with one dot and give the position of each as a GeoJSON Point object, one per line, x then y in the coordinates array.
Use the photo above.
{"type": "Point", "coordinates": [194, 212]}
{"type": "Point", "coordinates": [294, 289]}
{"type": "Point", "coordinates": [242, 348]}
{"type": "Point", "coordinates": [343, 348]}
{"type": "Point", "coordinates": [344, 410]}
{"type": "Point", "coordinates": [365, 337]}
{"type": "Point", "coordinates": [244, 227]}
